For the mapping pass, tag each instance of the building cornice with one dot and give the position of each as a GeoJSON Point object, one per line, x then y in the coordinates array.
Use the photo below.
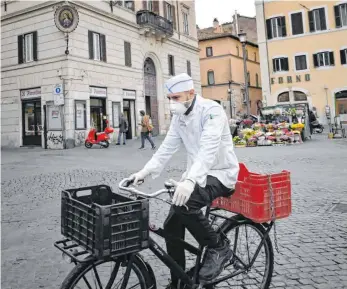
{"type": "Point", "coordinates": [228, 55]}
{"type": "Point", "coordinates": [227, 36]}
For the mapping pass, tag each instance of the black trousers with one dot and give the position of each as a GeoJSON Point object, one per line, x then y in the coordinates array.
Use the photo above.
{"type": "Point", "coordinates": [194, 220]}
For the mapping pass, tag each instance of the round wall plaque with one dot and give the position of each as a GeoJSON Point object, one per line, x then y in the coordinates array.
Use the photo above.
{"type": "Point", "coordinates": [66, 18]}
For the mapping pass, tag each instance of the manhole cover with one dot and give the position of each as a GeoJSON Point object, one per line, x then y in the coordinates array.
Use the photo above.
{"type": "Point", "coordinates": [340, 208]}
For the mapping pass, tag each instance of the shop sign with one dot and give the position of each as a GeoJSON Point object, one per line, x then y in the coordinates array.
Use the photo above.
{"type": "Point", "coordinates": [129, 94]}
{"type": "Point", "coordinates": [97, 91]}
{"type": "Point", "coordinates": [289, 79]}
{"type": "Point", "coordinates": [30, 93]}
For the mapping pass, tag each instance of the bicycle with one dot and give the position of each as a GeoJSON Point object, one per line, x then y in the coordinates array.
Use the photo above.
{"type": "Point", "coordinates": [134, 263]}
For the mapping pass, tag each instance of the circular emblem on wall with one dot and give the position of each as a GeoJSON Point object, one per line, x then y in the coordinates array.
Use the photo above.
{"type": "Point", "coordinates": [66, 18]}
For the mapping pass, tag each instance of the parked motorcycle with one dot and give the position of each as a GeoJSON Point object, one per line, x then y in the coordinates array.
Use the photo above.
{"type": "Point", "coordinates": [98, 138]}
{"type": "Point", "coordinates": [317, 127]}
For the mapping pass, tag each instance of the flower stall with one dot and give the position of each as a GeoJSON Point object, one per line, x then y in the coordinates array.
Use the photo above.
{"type": "Point", "coordinates": [281, 125]}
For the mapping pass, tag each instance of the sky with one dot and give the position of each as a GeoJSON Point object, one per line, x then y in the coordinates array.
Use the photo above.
{"type": "Point", "coordinates": [207, 10]}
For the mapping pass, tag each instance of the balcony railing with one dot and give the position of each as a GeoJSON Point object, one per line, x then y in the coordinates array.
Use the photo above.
{"type": "Point", "coordinates": [154, 23]}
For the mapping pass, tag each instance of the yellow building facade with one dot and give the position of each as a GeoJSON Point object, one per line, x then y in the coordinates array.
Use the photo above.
{"type": "Point", "coordinates": [303, 54]}
{"type": "Point", "coordinates": [222, 70]}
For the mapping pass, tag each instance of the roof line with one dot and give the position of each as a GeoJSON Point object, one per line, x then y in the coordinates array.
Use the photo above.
{"type": "Point", "coordinates": [227, 35]}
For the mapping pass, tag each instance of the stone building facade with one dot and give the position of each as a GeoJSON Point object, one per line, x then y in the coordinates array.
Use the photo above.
{"type": "Point", "coordinates": [57, 85]}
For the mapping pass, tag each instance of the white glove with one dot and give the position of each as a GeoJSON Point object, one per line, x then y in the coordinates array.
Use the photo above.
{"type": "Point", "coordinates": [182, 193]}
{"type": "Point", "coordinates": [139, 176]}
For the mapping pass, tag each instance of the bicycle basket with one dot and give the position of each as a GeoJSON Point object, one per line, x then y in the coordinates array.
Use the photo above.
{"type": "Point", "coordinates": [261, 198]}
{"type": "Point", "coordinates": [104, 223]}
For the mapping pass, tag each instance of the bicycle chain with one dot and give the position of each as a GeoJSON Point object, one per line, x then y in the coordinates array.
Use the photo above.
{"type": "Point", "coordinates": [273, 217]}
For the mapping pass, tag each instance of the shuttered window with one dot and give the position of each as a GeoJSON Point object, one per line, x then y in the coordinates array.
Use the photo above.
{"type": "Point", "coordinates": [317, 20]}
{"type": "Point", "coordinates": [297, 23]}
{"type": "Point", "coordinates": [97, 46]}
{"type": "Point", "coordinates": [189, 68]}
{"type": "Point", "coordinates": [210, 77]}
{"type": "Point", "coordinates": [280, 64]}
{"type": "Point", "coordinates": [323, 59]}
{"type": "Point", "coordinates": [343, 56]}
{"type": "Point", "coordinates": [300, 62]}
{"type": "Point", "coordinates": [171, 61]}
{"type": "Point", "coordinates": [127, 53]}
{"type": "Point", "coordinates": [276, 27]}
{"type": "Point", "coordinates": [340, 15]}
{"type": "Point", "coordinates": [27, 47]}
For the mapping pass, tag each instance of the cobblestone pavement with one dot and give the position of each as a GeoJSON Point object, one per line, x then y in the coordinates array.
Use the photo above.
{"type": "Point", "coordinates": [313, 241]}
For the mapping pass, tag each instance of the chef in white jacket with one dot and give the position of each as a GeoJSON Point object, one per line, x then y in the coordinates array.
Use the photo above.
{"type": "Point", "coordinates": [212, 170]}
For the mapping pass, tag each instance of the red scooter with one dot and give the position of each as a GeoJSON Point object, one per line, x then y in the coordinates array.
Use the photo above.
{"type": "Point", "coordinates": [100, 138]}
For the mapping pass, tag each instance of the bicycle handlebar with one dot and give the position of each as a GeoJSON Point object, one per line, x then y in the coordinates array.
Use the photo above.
{"type": "Point", "coordinates": [124, 185]}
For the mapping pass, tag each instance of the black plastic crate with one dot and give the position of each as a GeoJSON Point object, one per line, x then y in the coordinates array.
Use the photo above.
{"type": "Point", "coordinates": [104, 223]}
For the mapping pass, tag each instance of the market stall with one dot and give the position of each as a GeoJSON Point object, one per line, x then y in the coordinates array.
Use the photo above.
{"type": "Point", "coordinates": [284, 124]}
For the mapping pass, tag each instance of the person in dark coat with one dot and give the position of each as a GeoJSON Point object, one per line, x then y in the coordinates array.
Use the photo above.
{"type": "Point", "coordinates": [123, 129]}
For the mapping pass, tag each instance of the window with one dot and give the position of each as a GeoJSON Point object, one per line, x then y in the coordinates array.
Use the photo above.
{"type": "Point", "coordinates": [300, 62]}
{"type": "Point", "coordinates": [80, 114]}
{"type": "Point", "coordinates": [127, 4]}
{"type": "Point", "coordinates": [97, 46]}
{"type": "Point", "coordinates": [343, 56]}
{"type": "Point", "coordinates": [323, 59]}
{"type": "Point", "coordinates": [209, 51]}
{"type": "Point", "coordinates": [185, 23]}
{"type": "Point", "coordinates": [276, 27]}
{"type": "Point", "coordinates": [257, 79]}
{"type": "Point", "coordinates": [280, 64]}
{"type": "Point", "coordinates": [297, 23]}
{"type": "Point", "coordinates": [210, 77]}
{"type": "Point", "coordinates": [171, 61]}
{"type": "Point", "coordinates": [127, 53]}
{"type": "Point", "coordinates": [255, 56]}
{"type": "Point", "coordinates": [248, 79]}
{"type": "Point", "coordinates": [340, 15]}
{"type": "Point", "coordinates": [169, 13]}
{"type": "Point", "coordinates": [150, 5]}
{"type": "Point", "coordinates": [299, 96]}
{"type": "Point", "coordinates": [189, 68]}
{"type": "Point", "coordinates": [317, 20]}
{"type": "Point", "coordinates": [27, 47]}
{"type": "Point", "coordinates": [283, 97]}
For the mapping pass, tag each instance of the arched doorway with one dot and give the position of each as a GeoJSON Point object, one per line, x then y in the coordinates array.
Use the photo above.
{"type": "Point", "coordinates": [151, 101]}
{"type": "Point", "coordinates": [341, 105]}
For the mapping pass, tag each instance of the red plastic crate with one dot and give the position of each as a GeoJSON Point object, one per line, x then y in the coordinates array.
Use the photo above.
{"type": "Point", "coordinates": [252, 196]}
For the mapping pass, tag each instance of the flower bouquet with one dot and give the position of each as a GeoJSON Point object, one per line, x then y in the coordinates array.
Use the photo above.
{"type": "Point", "coordinates": [239, 142]}
{"type": "Point", "coordinates": [270, 127]}
{"type": "Point", "coordinates": [247, 123]}
{"type": "Point", "coordinates": [258, 126]}
{"type": "Point", "coordinates": [252, 142]}
{"type": "Point", "coordinates": [297, 126]}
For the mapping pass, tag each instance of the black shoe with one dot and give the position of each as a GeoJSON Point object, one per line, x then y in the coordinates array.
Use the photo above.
{"type": "Point", "coordinates": [141, 148]}
{"type": "Point", "coordinates": [153, 148]}
{"type": "Point", "coordinates": [117, 144]}
{"type": "Point", "coordinates": [123, 143]}
{"type": "Point", "coordinates": [215, 260]}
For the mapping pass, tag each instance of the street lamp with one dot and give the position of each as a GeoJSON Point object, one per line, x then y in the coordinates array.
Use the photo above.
{"type": "Point", "coordinates": [243, 40]}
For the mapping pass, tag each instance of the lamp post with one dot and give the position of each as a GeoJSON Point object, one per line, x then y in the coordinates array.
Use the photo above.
{"type": "Point", "coordinates": [230, 100]}
{"type": "Point", "coordinates": [243, 39]}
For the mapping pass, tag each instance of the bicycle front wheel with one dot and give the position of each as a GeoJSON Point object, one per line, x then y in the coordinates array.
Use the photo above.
{"type": "Point", "coordinates": [245, 240]}
{"type": "Point", "coordinates": [108, 274]}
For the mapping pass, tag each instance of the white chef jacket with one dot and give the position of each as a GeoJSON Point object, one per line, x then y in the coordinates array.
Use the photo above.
{"type": "Point", "coordinates": [206, 136]}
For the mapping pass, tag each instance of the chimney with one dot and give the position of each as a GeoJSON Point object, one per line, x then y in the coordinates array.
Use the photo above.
{"type": "Point", "coordinates": [215, 23]}
{"type": "Point", "coordinates": [236, 20]}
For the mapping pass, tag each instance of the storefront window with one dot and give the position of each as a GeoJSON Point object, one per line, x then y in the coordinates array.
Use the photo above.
{"type": "Point", "coordinates": [116, 113]}
{"type": "Point", "coordinates": [54, 117]}
{"type": "Point", "coordinates": [299, 96]}
{"type": "Point", "coordinates": [80, 114]}
{"type": "Point", "coordinates": [283, 97]}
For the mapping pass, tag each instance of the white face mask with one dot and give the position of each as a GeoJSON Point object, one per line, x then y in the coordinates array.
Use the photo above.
{"type": "Point", "coordinates": [179, 107]}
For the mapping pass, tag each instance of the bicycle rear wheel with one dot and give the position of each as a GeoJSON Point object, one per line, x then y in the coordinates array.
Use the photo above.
{"type": "Point", "coordinates": [107, 273]}
{"type": "Point", "coordinates": [245, 238]}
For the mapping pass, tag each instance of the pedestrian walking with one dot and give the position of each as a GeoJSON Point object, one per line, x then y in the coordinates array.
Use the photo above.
{"type": "Point", "coordinates": [123, 129]}
{"type": "Point", "coordinates": [146, 129]}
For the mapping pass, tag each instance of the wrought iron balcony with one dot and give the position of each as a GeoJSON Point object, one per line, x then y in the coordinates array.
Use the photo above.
{"type": "Point", "coordinates": [153, 24]}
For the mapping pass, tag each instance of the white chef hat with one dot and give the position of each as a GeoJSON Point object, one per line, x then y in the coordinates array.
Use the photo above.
{"type": "Point", "coordinates": [179, 83]}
